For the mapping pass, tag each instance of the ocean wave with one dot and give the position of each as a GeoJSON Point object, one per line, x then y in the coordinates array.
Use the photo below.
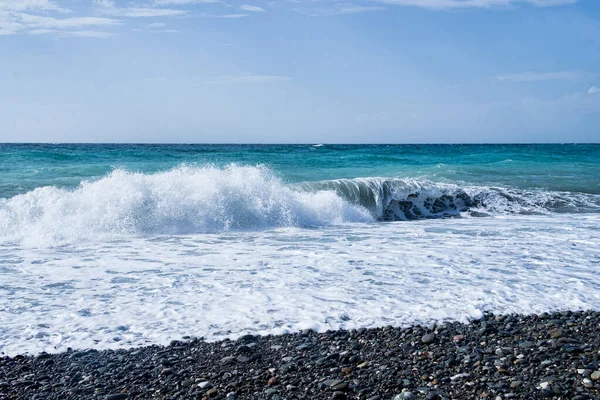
{"type": "Point", "coordinates": [409, 199]}
{"type": "Point", "coordinates": [183, 200]}
{"type": "Point", "coordinates": [209, 199]}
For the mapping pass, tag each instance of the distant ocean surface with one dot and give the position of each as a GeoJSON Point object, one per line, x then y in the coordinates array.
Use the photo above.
{"type": "Point", "coordinates": [111, 246]}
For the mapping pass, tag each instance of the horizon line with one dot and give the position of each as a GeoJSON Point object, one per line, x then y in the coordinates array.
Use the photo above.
{"type": "Point", "coordinates": [301, 143]}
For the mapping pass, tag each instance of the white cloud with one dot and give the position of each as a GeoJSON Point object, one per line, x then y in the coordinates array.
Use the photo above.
{"type": "Point", "coordinates": [246, 78]}
{"type": "Point", "coordinates": [156, 25]}
{"type": "Point", "coordinates": [232, 16]}
{"type": "Point", "coordinates": [593, 90]}
{"type": "Point", "coordinates": [91, 34]}
{"type": "Point", "coordinates": [40, 17]}
{"type": "Point", "coordinates": [450, 4]}
{"type": "Point", "coordinates": [8, 23]}
{"type": "Point", "coordinates": [46, 17]}
{"type": "Point", "coordinates": [182, 2]}
{"type": "Point", "coordinates": [83, 33]}
{"type": "Point", "coordinates": [542, 76]}
{"type": "Point", "coordinates": [24, 5]}
{"type": "Point", "coordinates": [12, 23]}
{"type": "Point", "coordinates": [109, 7]}
{"type": "Point", "coordinates": [40, 22]}
{"type": "Point", "coordinates": [337, 9]}
{"type": "Point", "coordinates": [246, 7]}
{"type": "Point", "coordinates": [355, 9]}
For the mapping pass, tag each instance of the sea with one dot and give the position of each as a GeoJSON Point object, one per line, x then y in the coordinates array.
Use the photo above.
{"type": "Point", "coordinates": [112, 246]}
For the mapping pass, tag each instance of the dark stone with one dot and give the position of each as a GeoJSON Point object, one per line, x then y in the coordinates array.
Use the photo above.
{"type": "Point", "coordinates": [246, 338]}
{"type": "Point", "coordinates": [117, 396]}
{"type": "Point", "coordinates": [428, 338]}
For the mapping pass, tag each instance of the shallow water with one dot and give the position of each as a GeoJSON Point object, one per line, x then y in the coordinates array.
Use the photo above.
{"type": "Point", "coordinates": [138, 291]}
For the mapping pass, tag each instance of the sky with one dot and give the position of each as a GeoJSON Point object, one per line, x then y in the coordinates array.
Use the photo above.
{"type": "Point", "coordinates": [300, 71]}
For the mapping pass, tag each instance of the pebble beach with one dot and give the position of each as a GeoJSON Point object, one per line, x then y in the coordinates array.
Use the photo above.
{"type": "Point", "coordinates": [498, 357]}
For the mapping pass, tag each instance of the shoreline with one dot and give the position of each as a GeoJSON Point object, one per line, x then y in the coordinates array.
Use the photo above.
{"type": "Point", "coordinates": [551, 355]}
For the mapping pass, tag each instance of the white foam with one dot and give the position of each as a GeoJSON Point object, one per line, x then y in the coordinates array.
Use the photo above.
{"type": "Point", "coordinates": [158, 288]}
{"type": "Point", "coordinates": [183, 200]}
{"type": "Point", "coordinates": [207, 199]}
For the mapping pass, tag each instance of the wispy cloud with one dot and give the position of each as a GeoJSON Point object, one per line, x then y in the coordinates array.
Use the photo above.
{"type": "Point", "coordinates": [542, 76]}
{"type": "Point", "coordinates": [40, 22]}
{"type": "Point", "coordinates": [593, 90]}
{"type": "Point", "coordinates": [182, 2]}
{"type": "Point", "coordinates": [453, 4]}
{"type": "Point", "coordinates": [233, 16]}
{"type": "Point", "coordinates": [245, 78]}
{"type": "Point", "coordinates": [355, 9]}
{"type": "Point", "coordinates": [30, 5]}
{"type": "Point", "coordinates": [108, 7]}
{"type": "Point", "coordinates": [84, 33]}
{"type": "Point", "coordinates": [337, 9]}
{"type": "Point", "coordinates": [12, 23]}
{"type": "Point", "coordinates": [246, 7]}
{"type": "Point", "coordinates": [156, 25]}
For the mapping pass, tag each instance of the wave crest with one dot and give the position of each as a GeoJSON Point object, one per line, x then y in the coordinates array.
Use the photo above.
{"type": "Point", "coordinates": [179, 201]}
{"type": "Point", "coordinates": [209, 199]}
{"type": "Point", "coordinates": [409, 199]}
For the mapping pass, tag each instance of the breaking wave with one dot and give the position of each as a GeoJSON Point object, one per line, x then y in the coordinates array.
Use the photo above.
{"type": "Point", "coordinates": [209, 199]}
{"type": "Point", "coordinates": [409, 199]}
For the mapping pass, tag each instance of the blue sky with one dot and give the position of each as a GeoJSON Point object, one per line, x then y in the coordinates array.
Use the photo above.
{"type": "Point", "coordinates": [365, 71]}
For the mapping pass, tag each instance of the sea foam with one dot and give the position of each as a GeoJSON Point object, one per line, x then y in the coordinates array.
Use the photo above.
{"type": "Point", "coordinates": [179, 201]}
{"type": "Point", "coordinates": [210, 199]}
{"type": "Point", "coordinates": [138, 290]}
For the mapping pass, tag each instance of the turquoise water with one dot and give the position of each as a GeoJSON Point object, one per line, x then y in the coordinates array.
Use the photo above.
{"type": "Point", "coordinates": [111, 246]}
{"type": "Point", "coordinates": [568, 167]}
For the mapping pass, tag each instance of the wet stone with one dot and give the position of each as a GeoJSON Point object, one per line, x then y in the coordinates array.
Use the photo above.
{"type": "Point", "coordinates": [428, 338]}
{"type": "Point", "coordinates": [555, 333]}
{"type": "Point", "coordinates": [117, 396]}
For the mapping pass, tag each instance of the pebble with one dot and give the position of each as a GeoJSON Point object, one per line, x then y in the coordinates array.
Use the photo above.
{"type": "Point", "coordinates": [429, 338]}
{"type": "Point", "coordinates": [555, 333]}
{"type": "Point", "coordinates": [246, 338]}
{"type": "Point", "coordinates": [243, 349]}
{"type": "Point", "coordinates": [595, 375]}
{"type": "Point", "coordinates": [243, 359]}
{"type": "Point", "coordinates": [405, 396]}
{"type": "Point", "coordinates": [118, 396]}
